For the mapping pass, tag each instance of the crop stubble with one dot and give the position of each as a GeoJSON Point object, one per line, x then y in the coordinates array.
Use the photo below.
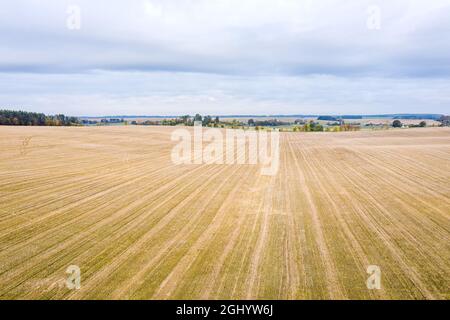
{"type": "Point", "coordinates": [109, 200]}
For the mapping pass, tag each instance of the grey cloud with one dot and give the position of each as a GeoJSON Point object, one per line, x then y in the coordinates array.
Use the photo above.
{"type": "Point", "coordinates": [284, 56]}
{"type": "Point", "coordinates": [199, 37]}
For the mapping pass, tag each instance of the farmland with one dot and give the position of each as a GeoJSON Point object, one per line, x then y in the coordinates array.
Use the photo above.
{"type": "Point", "coordinates": [110, 200]}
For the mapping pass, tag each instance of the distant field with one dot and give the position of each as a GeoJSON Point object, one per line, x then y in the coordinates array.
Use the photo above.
{"type": "Point", "coordinates": [362, 122]}
{"type": "Point", "coordinates": [389, 121]}
{"type": "Point", "coordinates": [109, 200]}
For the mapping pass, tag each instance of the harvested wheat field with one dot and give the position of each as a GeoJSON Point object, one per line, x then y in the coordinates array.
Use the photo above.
{"type": "Point", "coordinates": [109, 200]}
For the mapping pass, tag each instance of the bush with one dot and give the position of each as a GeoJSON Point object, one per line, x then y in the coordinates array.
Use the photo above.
{"type": "Point", "coordinates": [397, 124]}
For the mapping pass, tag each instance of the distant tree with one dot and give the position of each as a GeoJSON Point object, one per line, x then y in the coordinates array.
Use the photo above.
{"type": "Point", "coordinates": [327, 118]}
{"type": "Point", "coordinates": [422, 124]}
{"type": "Point", "coordinates": [251, 122]}
{"type": "Point", "coordinates": [270, 123]}
{"type": "Point", "coordinates": [445, 121]}
{"type": "Point", "coordinates": [207, 120]}
{"type": "Point", "coordinates": [185, 119]}
{"type": "Point", "coordinates": [318, 128]}
{"type": "Point", "coordinates": [234, 124]}
{"type": "Point", "coordinates": [397, 124]}
{"type": "Point", "coordinates": [198, 117]}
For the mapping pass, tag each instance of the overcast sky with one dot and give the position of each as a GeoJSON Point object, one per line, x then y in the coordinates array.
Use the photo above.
{"type": "Point", "coordinates": [173, 57]}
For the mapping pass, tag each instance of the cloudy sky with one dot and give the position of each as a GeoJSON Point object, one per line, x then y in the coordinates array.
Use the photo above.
{"type": "Point", "coordinates": [173, 57]}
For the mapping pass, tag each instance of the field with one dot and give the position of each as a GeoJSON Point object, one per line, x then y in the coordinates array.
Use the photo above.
{"type": "Point", "coordinates": [109, 200]}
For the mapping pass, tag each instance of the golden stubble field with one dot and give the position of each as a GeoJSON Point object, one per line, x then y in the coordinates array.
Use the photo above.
{"type": "Point", "coordinates": [109, 200]}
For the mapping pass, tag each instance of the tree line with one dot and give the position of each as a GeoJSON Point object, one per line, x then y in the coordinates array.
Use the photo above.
{"type": "Point", "coordinates": [24, 118]}
{"type": "Point", "coordinates": [445, 121]}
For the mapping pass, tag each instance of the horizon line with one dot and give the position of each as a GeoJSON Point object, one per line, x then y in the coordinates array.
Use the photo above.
{"type": "Point", "coordinates": [264, 115]}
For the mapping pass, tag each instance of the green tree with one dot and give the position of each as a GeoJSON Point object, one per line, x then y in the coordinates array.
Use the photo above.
{"type": "Point", "coordinates": [445, 121]}
{"type": "Point", "coordinates": [397, 124]}
{"type": "Point", "coordinates": [207, 121]}
{"type": "Point", "coordinates": [185, 119]}
{"type": "Point", "coordinates": [198, 117]}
